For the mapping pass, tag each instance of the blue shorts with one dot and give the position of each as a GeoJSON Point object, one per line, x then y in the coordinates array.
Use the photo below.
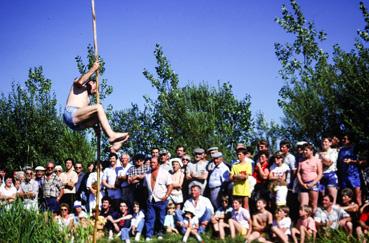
{"type": "Point", "coordinates": [351, 181]}
{"type": "Point", "coordinates": [68, 117]}
{"type": "Point", "coordinates": [329, 179]}
{"type": "Point", "coordinates": [315, 188]}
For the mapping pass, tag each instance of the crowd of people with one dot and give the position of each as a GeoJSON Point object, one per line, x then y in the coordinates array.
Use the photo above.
{"type": "Point", "coordinates": [290, 195]}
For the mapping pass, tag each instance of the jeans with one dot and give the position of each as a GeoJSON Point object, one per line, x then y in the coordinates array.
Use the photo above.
{"type": "Point", "coordinates": [124, 233]}
{"type": "Point", "coordinates": [154, 210]}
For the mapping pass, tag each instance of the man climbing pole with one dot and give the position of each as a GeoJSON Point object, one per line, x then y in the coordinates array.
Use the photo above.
{"type": "Point", "coordinates": [79, 114]}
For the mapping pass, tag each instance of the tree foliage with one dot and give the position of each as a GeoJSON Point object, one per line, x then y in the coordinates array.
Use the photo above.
{"type": "Point", "coordinates": [31, 129]}
{"type": "Point", "coordinates": [191, 115]}
{"type": "Point", "coordinates": [321, 95]}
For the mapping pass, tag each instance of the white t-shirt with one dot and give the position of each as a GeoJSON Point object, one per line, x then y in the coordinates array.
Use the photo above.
{"type": "Point", "coordinates": [242, 216]}
{"type": "Point", "coordinates": [332, 155]}
{"type": "Point", "coordinates": [279, 170]}
{"type": "Point", "coordinates": [285, 223]}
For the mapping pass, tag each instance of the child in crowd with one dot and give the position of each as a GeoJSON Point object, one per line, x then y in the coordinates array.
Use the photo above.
{"type": "Point", "coordinates": [277, 177]}
{"type": "Point", "coordinates": [282, 224]}
{"type": "Point", "coordinates": [352, 208]}
{"type": "Point", "coordinates": [305, 226]}
{"type": "Point", "coordinates": [220, 219]}
{"type": "Point", "coordinates": [169, 219]}
{"type": "Point", "coordinates": [137, 221]}
{"type": "Point", "coordinates": [240, 221]}
{"type": "Point", "coordinates": [363, 229]}
{"type": "Point", "coordinates": [191, 224]}
{"type": "Point", "coordinates": [261, 222]}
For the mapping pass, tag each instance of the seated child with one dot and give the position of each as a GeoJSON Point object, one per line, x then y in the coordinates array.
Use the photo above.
{"type": "Point", "coordinates": [123, 223]}
{"type": "Point", "coordinates": [261, 222]}
{"type": "Point", "coordinates": [169, 219]}
{"type": "Point", "coordinates": [240, 221]}
{"type": "Point", "coordinates": [282, 224]}
{"type": "Point", "coordinates": [305, 225]}
{"type": "Point", "coordinates": [191, 224]}
{"type": "Point", "coordinates": [137, 221]}
{"type": "Point", "coordinates": [220, 219]}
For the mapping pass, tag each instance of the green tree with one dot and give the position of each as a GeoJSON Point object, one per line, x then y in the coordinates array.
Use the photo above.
{"type": "Point", "coordinates": [321, 95]}
{"type": "Point", "coordinates": [191, 115]}
{"type": "Point", "coordinates": [31, 129]}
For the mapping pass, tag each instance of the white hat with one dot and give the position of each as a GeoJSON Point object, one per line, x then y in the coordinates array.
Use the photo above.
{"type": "Point", "coordinates": [58, 167]}
{"type": "Point", "coordinates": [40, 167]}
{"type": "Point", "coordinates": [189, 210]}
{"type": "Point", "coordinates": [176, 160]}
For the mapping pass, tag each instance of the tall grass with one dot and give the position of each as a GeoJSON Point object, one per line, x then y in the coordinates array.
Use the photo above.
{"type": "Point", "coordinates": [20, 225]}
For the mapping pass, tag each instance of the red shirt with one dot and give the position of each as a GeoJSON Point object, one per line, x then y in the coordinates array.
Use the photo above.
{"type": "Point", "coordinates": [257, 175]}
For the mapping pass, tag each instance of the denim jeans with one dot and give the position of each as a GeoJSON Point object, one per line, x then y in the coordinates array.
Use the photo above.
{"type": "Point", "coordinates": [154, 210]}
{"type": "Point", "coordinates": [124, 233]}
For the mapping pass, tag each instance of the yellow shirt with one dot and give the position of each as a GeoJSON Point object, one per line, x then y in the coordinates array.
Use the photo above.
{"type": "Point", "coordinates": [242, 188]}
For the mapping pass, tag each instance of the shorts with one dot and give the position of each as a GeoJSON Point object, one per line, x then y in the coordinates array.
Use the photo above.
{"type": "Point", "coordinates": [351, 181]}
{"type": "Point", "coordinates": [329, 179]}
{"type": "Point", "coordinates": [68, 117]}
{"type": "Point", "coordinates": [315, 188]}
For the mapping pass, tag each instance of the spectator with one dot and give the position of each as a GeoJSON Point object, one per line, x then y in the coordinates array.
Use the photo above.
{"type": "Point", "coordinates": [169, 224]}
{"type": "Point", "coordinates": [309, 173]}
{"type": "Point", "coordinates": [261, 174]}
{"type": "Point", "coordinates": [305, 226]}
{"type": "Point", "coordinates": [81, 191]}
{"type": "Point", "coordinates": [177, 181]}
{"type": "Point", "coordinates": [278, 184]}
{"type": "Point", "coordinates": [328, 156]}
{"type": "Point", "coordinates": [8, 192]}
{"type": "Point", "coordinates": [69, 179]}
{"type": "Point", "coordinates": [180, 151]}
{"type": "Point", "coordinates": [29, 190]}
{"type": "Point", "coordinates": [159, 187]}
{"type": "Point", "coordinates": [352, 208]}
{"type": "Point", "coordinates": [218, 178]}
{"type": "Point", "coordinates": [240, 222]}
{"type": "Point", "coordinates": [108, 181]}
{"type": "Point", "coordinates": [122, 179]}
{"type": "Point", "coordinates": [92, 186]}
{"type": "Point", "coordinates": [110, 215]}
{"type": "Point", "coordinates": [196, 171]}
{"type": "Point", "coordinates": [349, 172]}
{"type": "Point", "coordinates": [138, 221]}
{"type": "Point", "coordinates": [282, 224]}
{"type": "Point", "coordinates": [239, 174]}
{"type": "Point", "coordinates": [122, 223]}
{"type": "Point", "coordinates": [261, 222]}
{"type": "Point", "coordinates": [136, 175]}
{"type": "Point", "coordinates": [52, 189]}
{"type": "Point", "coordinates": [221, 216]}
{"type": "Point", "coordinates": [200, 205]}
{"type": "Point", "coordinates": [65, 219]}
{"type": "Point", "coordinates": [191, 225]}
{"type": "Point", "coordinates": [164, 160]}
{"type": "Point", "coordinates": [331, 216]}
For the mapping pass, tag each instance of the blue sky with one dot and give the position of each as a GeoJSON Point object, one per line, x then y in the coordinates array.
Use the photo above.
{"type": "Point", "coordinates": [205, 41]}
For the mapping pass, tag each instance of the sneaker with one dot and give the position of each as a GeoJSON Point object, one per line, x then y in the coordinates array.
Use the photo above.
{"type": "Point", "coordinates": [160, 237]}
{"type": "Point", "coordinates": [148, 239]}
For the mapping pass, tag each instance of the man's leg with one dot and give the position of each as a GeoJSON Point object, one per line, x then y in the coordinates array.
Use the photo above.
{"type": "Point", "coordinates": [162, 207]}
{"type": "Point", "coordinates": [150, 220]}
{"type": "Point", "coordinates": [89, 115]}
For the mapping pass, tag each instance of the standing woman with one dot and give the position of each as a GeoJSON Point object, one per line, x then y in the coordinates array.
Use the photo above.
{"type": "Point", "coordinates": [309, 173]}
{"type": "Point", "coordinates": [8, 193]}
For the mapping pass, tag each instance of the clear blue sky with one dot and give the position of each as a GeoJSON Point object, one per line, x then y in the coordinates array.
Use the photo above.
{"type": "Point", "coordinates": [207, 41]}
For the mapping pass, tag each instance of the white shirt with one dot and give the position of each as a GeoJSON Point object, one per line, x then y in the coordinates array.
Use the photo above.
{"type": "Point", "coordinates": [332, 155]}
{"type": "Point", "coordinates": [279, 171]}
{"type": "Point", "coordinates": [123, 172]}
{"type": "Point", "coordinates": [242, 216]}
{"type": "Point", "coordinates": [218, 175]}
{"type": "Point", "coordinates": [109, 175]}
{"type": "Point", "coordinates": [163, 179]}
{"type": "Point", "coordinates": [284, 223]}
{"type": "Point", "coordinates": [203, 203]}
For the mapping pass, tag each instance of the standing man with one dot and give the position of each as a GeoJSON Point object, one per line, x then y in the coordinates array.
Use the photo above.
{"type": "Point", "coordinates": [164, 160]}
{"type": "Point", "coordinates": [196, 171]}
{"type": "Point", "coordinates": [52, 188]}
{"type": "Point", "coordinates": [155, 152]}
{"type": "Point", "coordinates": [81, 190]}
{"type": "Point", "coordinates": [159, 186]}
{"type": "Point", "coordinates": [79, 114]}
{"type": "Point", "coordinates": [125, 189]}
{"type": "Point", "coordinates": [69, 179]}
{"type": "Point", "coordinates": [180, 151]}
{"type": "Point", "coordinates": [136, 175]}
{"type": "Point", "coordinates": [28, 190]}
{"type": "Point", "coordinates": [218, 178]}
{"type": "Point", "coordinates": [108, 181]}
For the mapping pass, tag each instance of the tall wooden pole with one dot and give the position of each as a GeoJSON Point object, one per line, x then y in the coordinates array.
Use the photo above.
{"type": "Point", "coordinates": [98, 133]}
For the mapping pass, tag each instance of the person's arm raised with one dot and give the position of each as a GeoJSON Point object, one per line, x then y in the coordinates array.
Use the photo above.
{"type": "Point", "coordinates": [85, 77]}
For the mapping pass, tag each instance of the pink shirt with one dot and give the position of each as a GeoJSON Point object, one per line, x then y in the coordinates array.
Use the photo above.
{"type": "Point", "coordinates": [309, 223]}
{"type": "Point", "coordinates": [309, 169]}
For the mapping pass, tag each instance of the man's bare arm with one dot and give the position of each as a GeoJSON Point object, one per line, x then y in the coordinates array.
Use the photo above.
{"type": "Point", "coordinates": [85, 77]}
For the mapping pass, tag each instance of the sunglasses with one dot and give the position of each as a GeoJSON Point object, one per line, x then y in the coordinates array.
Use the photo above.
{"type": "Point", "coordinates": [64, 209]}
{"type": "Point", "coordinates": [50, 168]}
{"type": "Point", "coordinates": [78, 167]}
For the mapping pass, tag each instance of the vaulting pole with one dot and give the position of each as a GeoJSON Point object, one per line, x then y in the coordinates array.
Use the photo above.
{"type": "Point", "coordinates": [98, 133]}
